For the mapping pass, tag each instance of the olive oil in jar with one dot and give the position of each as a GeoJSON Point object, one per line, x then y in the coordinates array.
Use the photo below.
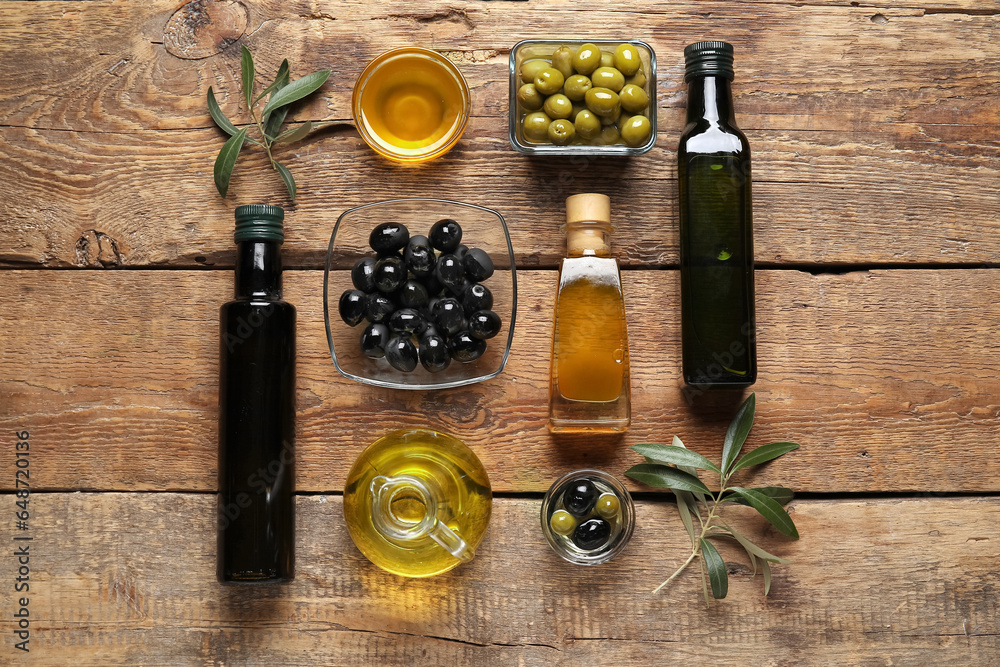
{"type": "Point", "coordinates": [589, 377]}
{"type": "Point", "coordinates": [411, 102]}
{"type": "Point", "coordinates": [417, 502]}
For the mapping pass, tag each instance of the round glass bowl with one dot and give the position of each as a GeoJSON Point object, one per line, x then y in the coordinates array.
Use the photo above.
{"type": "Point", "coordinates": [533, 49]}
{"type": "Point", "coordinates": [411, 104]}
{"type": "Point", "coordinates": [481, 228]}
{"type": "Point", "coordinates": [575, 513]}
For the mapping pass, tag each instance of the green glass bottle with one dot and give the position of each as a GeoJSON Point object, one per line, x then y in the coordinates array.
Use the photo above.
{"type": "Point", "coordinates": [718, 336]}
{"type": "Point", "coordinates": [256, 519]}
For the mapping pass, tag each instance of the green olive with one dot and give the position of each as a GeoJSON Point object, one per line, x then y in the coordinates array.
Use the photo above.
{"type": "Point", "coordinates": [607, 59]}
{"type": "Point", "coordinates": [549, 81]}
{"type": "Point", "coordinates": [609, 135]}
{"type": "Point", "coordinates": [561, 132]}
{"type": "Point", "coordinates": [633, 98]}
{"type": "Point", "coordinates": [636, 131]}
{"type": "Point", "coordinates": [531, 68]}
{"type": "Point", "coordinates": [562, 60]}
{"type": "Point", "coordinates": [607, 505]}
{"type": "Point", "coordinates": [562, 522]}
{"type": "Point", "coordinates": [536, 126]}
{"type": "Point", "coordinates": [603, 102]}
{"type": "Point", "coordinates": [608, 77]}
{"type": "Point", "coordinates": [558, 106]}
{"type": "Point", "coordinates": [587, 125]}
{"type": "Point", "coordinates": [529, 98]}
{"type": "Point", "coordinates": [627, 59]}
{"type": "Point", "coordinates": [576, 87]}
{"type": "Point", "coordinates": [637, 79]}
{"type": "Point", "coordinates": [587, 59]}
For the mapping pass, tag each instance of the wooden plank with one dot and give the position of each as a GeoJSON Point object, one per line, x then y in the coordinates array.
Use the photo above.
{"type": "Point", "coordinates": [147, 199]}
{"type": "Point", "coordinates": [129, 579]}
{"type": "Point", "coordinates": [888, 379]}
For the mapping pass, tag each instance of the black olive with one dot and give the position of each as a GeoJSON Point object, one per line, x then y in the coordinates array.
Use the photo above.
{"type": "Point", "coordinates": [390, 273]}
{"type": "Point", "coordinates": [433, 285]}
{"type": "Point", "coordinates": [484, 324]}
{"type": "Point", "coordinates": [477, 297]}
{"type": "Point", "coordinates": [434, 353]}
{"type": "Point", "coordinates": [580, 496]}
{"type": "Point", "coordinates": [446, 235]}
{"type": "Point", "coordinates": [465, 348]}
{"type": "Point", "coordinates": [449, 271]}
{"type": "Point", "coordinates": [363, 275]}
{"type": "Point", "coordinates": [373, 340]}
{"type": "Point", "coordinates": [401, 353]}
{"type": "Point", "coordinates": [478, 265]}
{"type": "Point", "coordinates": [419, 256]}
{"type": "Point", "coordinates": [458, 291]}
{"type": "Point", "coordinates": [352, 306]}
{"type": "Point", "coordinates": [413, 294]}
{"type": "Point", "coordinates": [449, 317]}
{"type": "Point", "coordinates": [389, 237]}
{"type": "Point", "coordinates": [592, 534]}
{"type": "Point", "coordinates": [379, 307]}
{"type": "Point", "coordinates": [460, 251]}
{"type": "Point", "coordinates": [407, 321]}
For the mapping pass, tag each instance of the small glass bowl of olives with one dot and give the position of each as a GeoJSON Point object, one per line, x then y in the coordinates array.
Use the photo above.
{"type": "Point", "coordinates": [420, 294]}
{"type": "Point", "coordinates": [581, 97]}
{"type": "Point", "coordinates": [587, 517]}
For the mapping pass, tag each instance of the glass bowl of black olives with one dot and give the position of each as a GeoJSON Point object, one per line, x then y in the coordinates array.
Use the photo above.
{"type": "Point", "coordinates": [577, 97]}
{"type": "Point", "coordinates": [587, 517]}
{"type": "Point", "coordinates": [420, 294]}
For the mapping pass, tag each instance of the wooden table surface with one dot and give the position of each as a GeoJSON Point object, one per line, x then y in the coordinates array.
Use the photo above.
{"type": "Point", "coordinates": [875, 135]}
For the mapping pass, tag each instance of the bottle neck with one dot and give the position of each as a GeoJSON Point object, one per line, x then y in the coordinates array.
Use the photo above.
{"type": "Point", "coordinates": [710, 98]}
{"type": "Point", "coordinates": [588, 239]}
{"type": "Point", "coordinates": [258, 270]}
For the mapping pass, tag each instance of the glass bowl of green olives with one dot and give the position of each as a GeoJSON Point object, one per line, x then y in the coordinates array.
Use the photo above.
{"type": "Point", "coordinates": [420, 294]}
{"type": "Point", "coordinates": [576, 97]}
{"type": "Point", "coordinates": [587, 517]}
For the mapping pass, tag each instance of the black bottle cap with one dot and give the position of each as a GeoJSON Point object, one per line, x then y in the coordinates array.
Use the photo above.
{"type": "Point", "coordinates": [708, 59]}
{"type": "Point", "coordinates": [260, 222]}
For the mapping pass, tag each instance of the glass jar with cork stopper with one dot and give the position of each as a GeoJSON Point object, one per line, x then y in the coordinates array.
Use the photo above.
{"type": "Point", "coordinates": [589, 377]}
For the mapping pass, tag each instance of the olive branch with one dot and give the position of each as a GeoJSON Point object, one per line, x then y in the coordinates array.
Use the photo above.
{"type": "Point", "coordinates": [675, 467]}
{"type": "Point", "coordinates": [268, 121]}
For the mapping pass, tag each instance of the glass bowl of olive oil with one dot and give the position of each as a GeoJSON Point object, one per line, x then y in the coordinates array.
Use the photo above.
{"type": "Point", "coordinates": [411, 104]}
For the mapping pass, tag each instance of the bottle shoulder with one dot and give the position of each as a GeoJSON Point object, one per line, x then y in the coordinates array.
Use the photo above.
{"type": "Point", "coordinates": [704, 136]}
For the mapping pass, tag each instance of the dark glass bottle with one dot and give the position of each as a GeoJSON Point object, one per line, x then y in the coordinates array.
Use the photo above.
{"type": "Point", "coordinates": [256, 519]}
{"type": "Point", "coordinates": [716, 233]}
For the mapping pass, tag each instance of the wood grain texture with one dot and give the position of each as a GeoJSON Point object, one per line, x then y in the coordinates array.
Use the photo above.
{"type": "Point", "coordinates": [888, 379]}
{"type": "Point", "coordinates": [864, 152]}
{"type": "Point", "coordinates": [130, 579]}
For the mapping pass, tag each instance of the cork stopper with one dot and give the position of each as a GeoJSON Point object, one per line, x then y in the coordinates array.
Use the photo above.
{"type": "Point", "coordinates": [588, 225]}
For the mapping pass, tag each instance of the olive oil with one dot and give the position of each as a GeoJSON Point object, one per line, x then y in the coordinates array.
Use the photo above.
{"type": "Point", "coordinates": [413, 103]}
{"type": "Point", "coordinates": [589, 377]}
{"type": "Point", "coordinates": [417, 502]}
{"type": "Point", "coordinates": [256, 507]}
{"type": "Point", "coordinates": [716, 237]}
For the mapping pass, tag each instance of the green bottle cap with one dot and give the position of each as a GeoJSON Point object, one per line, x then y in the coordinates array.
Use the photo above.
{"type": "Point", "coordinates": [708, 59]}
{"type": "Point", "coordinates": [260, 222]}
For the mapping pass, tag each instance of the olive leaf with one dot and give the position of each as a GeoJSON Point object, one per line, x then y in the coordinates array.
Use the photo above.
{"type": "Point", "coordinates": [227, 160]}
{"type": "Point", "coordinates": [736, 435]}
{"type": "Point", "coordinates": [280, 93]}
{"type": "Point", "coordinates": [763, 454]}
{"type": "Point", "coordinates": [666, 477]}
{"type": "Point", "coordinates": [770, 509]}
{"type": "Point", "coordinates": [671, 454]}
{"type": "Point", "coordinates": [696, 501]}
{"type": "Point", "coordinates": [246, 65]}
{"type": "Point", "coordinates": [716, 569]}
{"type": "Point", "coordinates": [286, 176]}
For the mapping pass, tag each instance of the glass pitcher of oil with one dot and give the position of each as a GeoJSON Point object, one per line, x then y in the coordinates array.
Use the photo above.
{"type": "Point", "coordinates": [417, 502]}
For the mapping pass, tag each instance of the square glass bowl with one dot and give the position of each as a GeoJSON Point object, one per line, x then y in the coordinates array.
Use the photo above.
{"type": "Point", "coordinates": [481, 228]}
{"type": "Point", "coordinates": [531, 49]}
